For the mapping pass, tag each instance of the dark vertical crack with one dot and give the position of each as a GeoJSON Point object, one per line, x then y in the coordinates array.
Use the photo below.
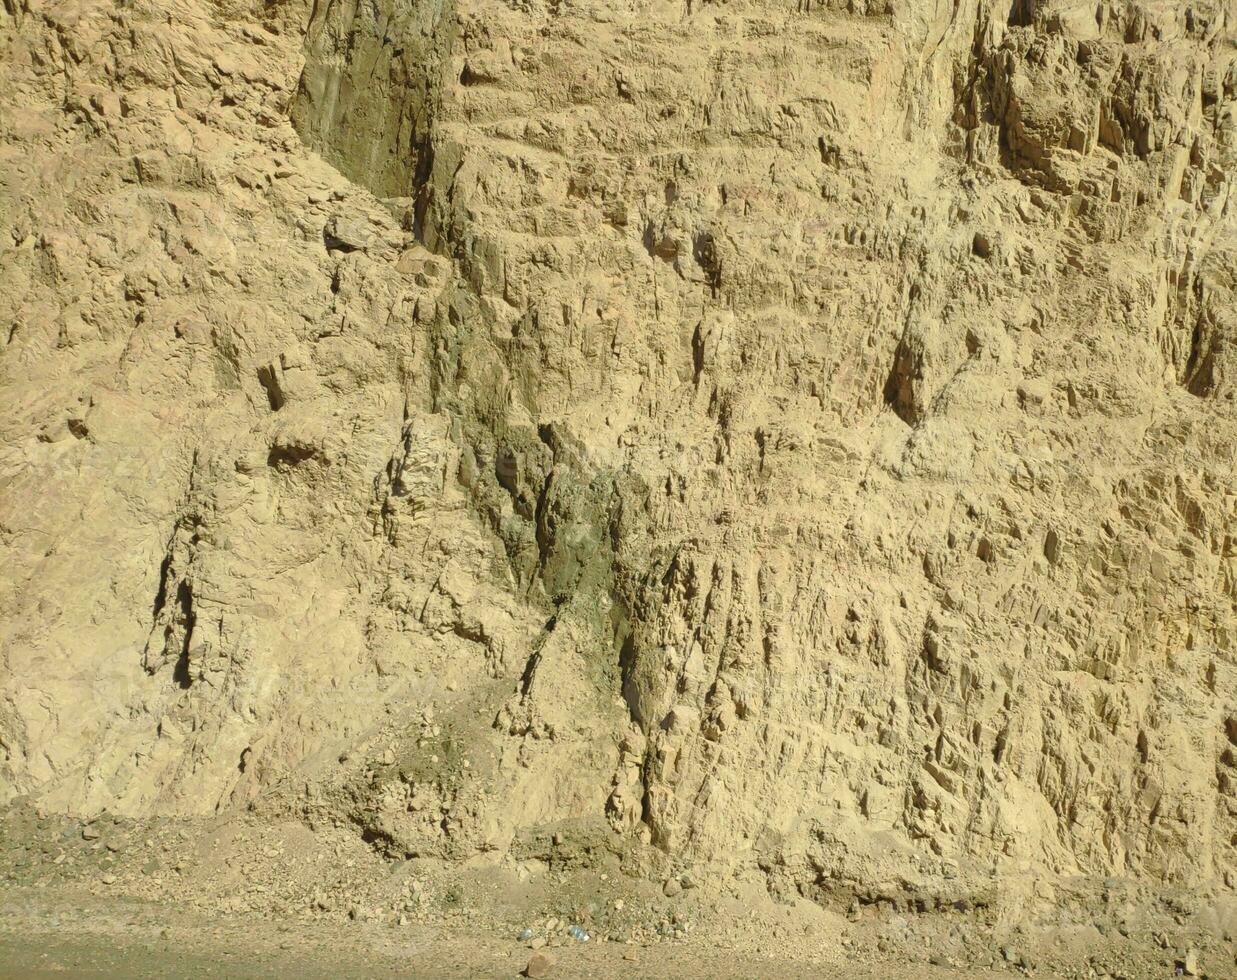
{"type": "Point", "coordinates": [187, 618]}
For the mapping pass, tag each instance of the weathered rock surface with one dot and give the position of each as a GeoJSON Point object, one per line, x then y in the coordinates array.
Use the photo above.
{"type": "Point", "coordinates": [736, 436]}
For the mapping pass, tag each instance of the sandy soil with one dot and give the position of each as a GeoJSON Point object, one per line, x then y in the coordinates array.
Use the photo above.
{"type": "Point", "coordinates": [58, 934]}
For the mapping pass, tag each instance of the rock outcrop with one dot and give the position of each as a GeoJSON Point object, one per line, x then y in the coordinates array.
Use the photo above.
{"type": "Point", "coordinates": [746, 436]}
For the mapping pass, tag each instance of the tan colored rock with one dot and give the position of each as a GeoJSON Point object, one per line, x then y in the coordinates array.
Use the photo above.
{"type": "Point", "coordinates": [795, 440]}
{"type": "Point", "coordinates": [540, 964]}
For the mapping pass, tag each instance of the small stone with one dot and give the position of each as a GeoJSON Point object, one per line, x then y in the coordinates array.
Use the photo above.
{"type": "Point", "coordinates": [89, 833]}
{"type": "Point", "coordinates": [540, 964]}
{"type": "Point", "coordinates": [672, 887]}
{"type": "Point", "coordinates": [108, 879]}
{"type": "Point", "coordinates": [247, 178]}
{"type": "Point", "coordinates": [343, 234]}
{"type": "Point", "coordinates": [537, 942]}
{"type": "Point", "coordinates": [106, 103]}
{"type": "Point", "coordinates": [1190, 963]}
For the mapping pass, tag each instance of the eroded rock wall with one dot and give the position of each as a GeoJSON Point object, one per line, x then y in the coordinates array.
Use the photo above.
{"type": "Point", "coordinates": [794, 439]}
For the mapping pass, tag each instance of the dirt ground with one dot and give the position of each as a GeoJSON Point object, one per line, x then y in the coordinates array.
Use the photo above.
{"type": "Point", "coordinates": [238, 897]}
{"type": "Point", "coordinates": [55, 934]}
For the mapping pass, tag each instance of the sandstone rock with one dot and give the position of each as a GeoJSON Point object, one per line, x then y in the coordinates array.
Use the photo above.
{"type": "Point", "coordinates": [540, 964]}
{"type": "Point", "coordinates": [346, 234]}
{"type": "Point", "coordinates": [804, 450]}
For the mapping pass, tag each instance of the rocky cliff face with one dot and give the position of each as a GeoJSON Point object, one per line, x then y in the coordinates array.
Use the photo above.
{"type": "Point", "coordinates": [746, 436]}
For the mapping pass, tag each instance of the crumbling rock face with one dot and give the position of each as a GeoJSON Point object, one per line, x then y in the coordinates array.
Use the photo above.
{"type": "Point", "coordinates": [756, 438]}
{"type": "Point", "coordinates": [370, 91]}
{"type": "Point", "coordinates": [1126, 110]}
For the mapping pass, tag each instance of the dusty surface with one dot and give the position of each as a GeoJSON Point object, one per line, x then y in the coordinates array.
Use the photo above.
{"type": "Point", "coordinates": [78, 937]}
{"type": "Point", "coordinates": [87, 931]}
{"type": "Point", "coordinates": [779, 457]}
